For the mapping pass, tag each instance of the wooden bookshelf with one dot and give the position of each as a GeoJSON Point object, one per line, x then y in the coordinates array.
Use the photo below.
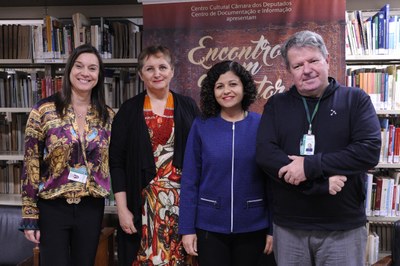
{"type": "Point", "coordinates": [17, 13]}
{"type": "Point", "coordinates": [383, 219]}
{"type": "Point", "coordinates": [10, 199]}
{"type": "Point", "coordinates": [11, 155]}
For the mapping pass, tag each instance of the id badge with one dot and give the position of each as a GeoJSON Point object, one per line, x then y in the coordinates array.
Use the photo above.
{"type": "Point", "coordinates": [307, 144]}
{"type": "Point", "coordinates": [78, 175]}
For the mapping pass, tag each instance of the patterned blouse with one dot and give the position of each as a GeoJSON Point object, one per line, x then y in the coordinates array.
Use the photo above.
{"type": "Point", "coordinates": [53, 148]}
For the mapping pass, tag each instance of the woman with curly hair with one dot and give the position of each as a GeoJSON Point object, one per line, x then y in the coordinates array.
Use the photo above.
{"type": "Point", "coordinates": [224, 217]}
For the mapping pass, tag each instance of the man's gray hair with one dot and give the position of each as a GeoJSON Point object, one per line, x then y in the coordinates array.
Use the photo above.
{"type": "Point", "coordinates": [303, 39]}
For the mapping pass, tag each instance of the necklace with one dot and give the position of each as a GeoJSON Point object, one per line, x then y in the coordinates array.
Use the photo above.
{"type": "Point", "coordinates": [79, 115]}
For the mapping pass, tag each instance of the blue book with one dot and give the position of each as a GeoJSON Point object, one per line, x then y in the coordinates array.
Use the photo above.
{"type": "Point", "coordinates": [383, 29]}
{"type": "Point", "coordinates": [381, 21]}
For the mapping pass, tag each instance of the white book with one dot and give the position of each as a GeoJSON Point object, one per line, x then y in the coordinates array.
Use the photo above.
{"type": "Point", "coordinates": [389, 198]}
{"type": "Point", "coordinates": [383, 211]}
{"type": "Point", "coordinates": [372, 254]}
{"type": "Point", "coordinates": [368, 203]}
{"type": "Point", "coordinates": [396, 199]}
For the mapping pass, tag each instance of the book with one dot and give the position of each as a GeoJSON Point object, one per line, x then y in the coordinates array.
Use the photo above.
{"type": "Point", "coordinates": [368, 199]}
{"type": "Point", "coordinates": [372, 248]}
{"type": "Point", "coordinates": [391, 143]}
{"type": "Point", "coordinates": [383, 208]}
{"type": "Point", "coordinates": [51, 28]}
{"type": "Point", "coordinates": [1, 42]}
{"type": "Point", "coordinates": [5, 41]}
{"type": "Point", "coordinates": [81, 26]}
{"type": "Point", "coordinates": [381, 19]}
{"type": "Point", "coordinates": [24, 42]}
{"type": "Point", "coordinates": [378, 196]}
{"type": "Point", "coordinates": [385, 139]}
{"type": "Point", "coordinates": [13, 48]}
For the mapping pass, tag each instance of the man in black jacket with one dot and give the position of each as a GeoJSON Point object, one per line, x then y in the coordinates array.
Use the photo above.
{"type": "Point", "coordinates": [319, 212]}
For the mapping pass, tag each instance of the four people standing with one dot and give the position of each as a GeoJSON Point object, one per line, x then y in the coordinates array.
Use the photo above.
{"type": "Point", "coordinates": [224, 216]}
{"type": "Point", "coordinates": [66, 175]}
{"type": "Point", "coordinates": [319, 211]}
{"type": "Point", "coordinates": [314, 141]}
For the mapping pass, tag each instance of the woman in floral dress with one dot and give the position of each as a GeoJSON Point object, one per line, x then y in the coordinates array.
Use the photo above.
{"type": "Point", "coordinates": [146, 155]}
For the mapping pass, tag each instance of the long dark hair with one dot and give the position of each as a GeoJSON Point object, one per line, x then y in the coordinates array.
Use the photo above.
{"type": "Point", "coordinates": [63, 98]}
{"type": "Point", "coordinates": [208, 104]}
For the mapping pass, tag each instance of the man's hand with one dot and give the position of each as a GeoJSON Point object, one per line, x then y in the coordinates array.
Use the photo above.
{"type": "Point", "coordinates": [336, 183]}
{"type": "Point", "coordinates": [293, 173]}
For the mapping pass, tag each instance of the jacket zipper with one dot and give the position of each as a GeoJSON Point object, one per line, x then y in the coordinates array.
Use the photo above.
{"type": "Point", "coordinates": [232, 171]}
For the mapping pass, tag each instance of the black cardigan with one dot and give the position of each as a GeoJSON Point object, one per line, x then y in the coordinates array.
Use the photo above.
{"type": "Point", "coordinates": [131, 161]}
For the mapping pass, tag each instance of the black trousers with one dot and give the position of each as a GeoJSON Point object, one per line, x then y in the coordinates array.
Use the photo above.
{"type": "Point", "coordinates": [69, 233]}
{"type": "Point", "coordinates": [243, 249]}
{"type": "Point", "coordinates": [128, 247]}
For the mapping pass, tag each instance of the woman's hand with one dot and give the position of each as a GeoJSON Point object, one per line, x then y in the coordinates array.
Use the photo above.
{"type": "Point", "coordinates": [32, 235]}
{"type": "Point", "coordinates": [126, 221]}
{"type": "Point", "coordinates": [190, 244]}
{"type": "Point", "coordinates": [125, 216]}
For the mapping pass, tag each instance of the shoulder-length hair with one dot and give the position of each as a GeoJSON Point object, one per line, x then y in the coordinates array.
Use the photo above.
{"type": "Point", "coordinates": [63, 98]}
{"type": "Point", "coordinates": [208, 104]}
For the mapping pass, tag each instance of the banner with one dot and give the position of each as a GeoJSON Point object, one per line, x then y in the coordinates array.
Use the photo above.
{"type": "Point", "coordinates": [202, 33]}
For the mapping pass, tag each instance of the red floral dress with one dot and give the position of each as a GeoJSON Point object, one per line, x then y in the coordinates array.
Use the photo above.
{"type": "Point", "coordinates": [161, 243]}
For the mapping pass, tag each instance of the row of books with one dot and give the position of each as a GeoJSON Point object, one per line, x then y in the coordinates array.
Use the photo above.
{"type": "Point", "coordinates": [379, 241]}
{"type": "Point", "coordinates": [383, 195]}
{"type": "Point", "coordinates": [376, 34]}
{"type": "Point", "coordinates": [390, 135]}
{"type": "Point", "coordinates": [372, 248]}
{"type": "Point", "coordinates": [55, 39]}
{"type": "Point", "coordinates": [113, 39]}
{"type": "Point", "coordinates": [382, 83]}
{"type": "Point", "coordinates": [15, 41]}
{"type": "Point", "coordinates": [21, 88]}
{"type": "Point", "coordinates": [10, 181]}
{"type": "Point", "coordinates": [24, 88]}
{"type": "Point", "coordinates": [10, 173]}
{"type": "Point", "coordinates": [120, 85]}
{"type": "Point", "coordinates": [12, 132]}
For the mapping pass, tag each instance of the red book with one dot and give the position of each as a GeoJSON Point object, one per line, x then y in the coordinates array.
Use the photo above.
{"type": "Point", "coordinates": [377, 204]}
{"type": "Point", "coordinates": [391, 143]}
{"type": "Point", "coordinates": [396, 153]}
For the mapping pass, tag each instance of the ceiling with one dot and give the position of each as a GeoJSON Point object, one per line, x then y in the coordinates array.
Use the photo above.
{"type": "Point", "coordinates": [28, 3]}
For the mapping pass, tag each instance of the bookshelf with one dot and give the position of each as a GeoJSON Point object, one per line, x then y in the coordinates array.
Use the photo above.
{"type": "Point", "coordinates": [377, 72]}
{"type": "Point", "coordinates": [122, 78]}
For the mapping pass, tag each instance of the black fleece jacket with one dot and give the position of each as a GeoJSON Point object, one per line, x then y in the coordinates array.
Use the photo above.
{"type": "Point", "coordinates": [347, 142]}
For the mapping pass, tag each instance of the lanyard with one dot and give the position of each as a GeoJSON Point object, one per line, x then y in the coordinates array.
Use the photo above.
{"type": "Point", "coordinates": [310, 118]}
{"type": "Point", "coordinates": [82, 146]}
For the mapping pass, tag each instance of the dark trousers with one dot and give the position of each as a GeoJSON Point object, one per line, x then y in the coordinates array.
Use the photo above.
{"type": "Point", "coordinates": [69, 233]}
{"type": "Point", "coordinates": [128, 247]}
{"type": "Point", "coordinates": [243, 249]}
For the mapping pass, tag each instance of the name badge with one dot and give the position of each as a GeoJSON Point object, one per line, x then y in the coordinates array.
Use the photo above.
{"type": "Point", "coordinates": [307, 144]}
{"type": "Point", "coordinates": [78, 175]}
